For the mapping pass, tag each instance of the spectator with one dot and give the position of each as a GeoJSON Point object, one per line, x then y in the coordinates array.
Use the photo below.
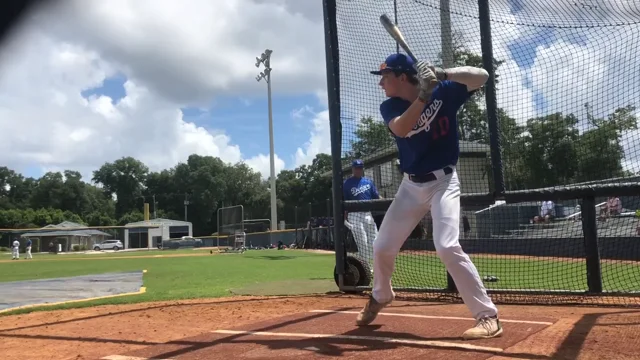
{"type": "Point", "coordinates": [547, 212]}
{"type": "Point", "coordinates": [612, 208]}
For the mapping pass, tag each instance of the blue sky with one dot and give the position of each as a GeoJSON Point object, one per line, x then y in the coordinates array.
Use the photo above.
{"type": "Point", "coordinates": [245, 120]}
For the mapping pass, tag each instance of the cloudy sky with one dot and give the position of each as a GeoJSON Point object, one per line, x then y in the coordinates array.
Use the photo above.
{"type": "Point", "coordinates": [91, 81]}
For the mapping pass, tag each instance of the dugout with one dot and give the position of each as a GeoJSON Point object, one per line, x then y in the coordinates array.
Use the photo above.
{"type": "Point", "coordinates": [138, 235]}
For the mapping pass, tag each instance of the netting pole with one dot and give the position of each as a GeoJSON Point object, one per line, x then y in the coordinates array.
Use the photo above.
{"type": "Point", "coordinates": [446, 44]}
{"type": "Point", "coordinates": [335, 128]}
{"type": "Point", "coordinates": [446, 39]}
{"type": "Point", "coordinates": [490, 96]}
{"type": "Point", "coordinates": [590, 230]}
{"type": "Point", "coordinates": [395, 20]}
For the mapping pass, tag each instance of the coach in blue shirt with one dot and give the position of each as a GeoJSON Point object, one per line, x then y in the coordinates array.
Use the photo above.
{"type": "Point", "coordinates": [361, 224]}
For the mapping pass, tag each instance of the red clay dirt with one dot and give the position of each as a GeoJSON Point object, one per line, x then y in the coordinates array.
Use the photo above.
{"type": "Point", "coordinates": [185, 330]}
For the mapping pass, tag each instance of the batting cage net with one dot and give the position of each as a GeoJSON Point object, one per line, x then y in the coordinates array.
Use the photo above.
{"type": "Point", "coordinates": [549, 147]}
{"type": "Point", "coordinates": [231, 228]}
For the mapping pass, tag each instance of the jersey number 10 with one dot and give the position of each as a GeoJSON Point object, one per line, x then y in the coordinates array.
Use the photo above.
{"type": "Point", "coordinates": [442, 129]}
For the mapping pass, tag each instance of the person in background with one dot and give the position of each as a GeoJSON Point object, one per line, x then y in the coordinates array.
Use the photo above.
{"type": "Point", "coordinates": [15, 250]}
{"type": "Point", "coordinates": [28, 249]}
{"type": "Point", "coordinates": [364, 229]}
{"type": "Point", "coordinates": [547, 212]}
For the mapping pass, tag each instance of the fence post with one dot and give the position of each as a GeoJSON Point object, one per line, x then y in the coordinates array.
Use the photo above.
{"type": "Point", "coordinates": [590, 230]}
{"type": "Point", "coordinates": [328, 207]}
{"type": "Point", "coordinates": [490, 96]}
{"type": "Point", "coordinates": [335, 130]}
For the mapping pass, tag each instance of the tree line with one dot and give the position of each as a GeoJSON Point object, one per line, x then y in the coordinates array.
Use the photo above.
{"type": "Point", "coordinates": [117, 191]}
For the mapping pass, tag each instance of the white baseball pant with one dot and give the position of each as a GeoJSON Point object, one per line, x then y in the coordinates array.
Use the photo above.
{"type": "Point", "coordinates": [364, 231]}
{"type": "Point", "coordinates": [411, 204]}
{"type": "Point", "coordinates": [29, 252]}
{"type": "Point", "coordinates": [15, 252]}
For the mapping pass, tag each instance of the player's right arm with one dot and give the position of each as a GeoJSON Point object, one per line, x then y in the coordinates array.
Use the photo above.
{"type": "Point", "coordinates": [398, 117]}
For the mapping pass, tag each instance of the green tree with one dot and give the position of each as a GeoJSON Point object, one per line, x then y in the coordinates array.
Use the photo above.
{"type": "Point", "coordinates": [124, 178]}
{"type": "Point", "coordinates": [599, 150]}
{"type": "Point", "coordinates": [372, 136]}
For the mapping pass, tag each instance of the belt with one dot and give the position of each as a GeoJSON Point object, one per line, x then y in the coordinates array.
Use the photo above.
{"type": "Point", "coordinates": [428, 177]}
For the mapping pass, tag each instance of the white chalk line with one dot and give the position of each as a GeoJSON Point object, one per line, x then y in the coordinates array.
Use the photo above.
{"type": "Point", "coordinates": [434, 317]}
{"type": "Point", "coordinates": [441, 344]}
{"type": "Point", "coordinates": [123, 357]}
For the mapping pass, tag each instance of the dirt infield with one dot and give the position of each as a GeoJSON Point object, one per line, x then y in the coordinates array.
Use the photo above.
{"type": "Point", "coordinates": [311, 326]}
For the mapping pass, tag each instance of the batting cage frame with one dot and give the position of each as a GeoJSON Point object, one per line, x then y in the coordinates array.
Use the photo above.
{"type": "Point", "coordinates": [352, 272]}
{"type": "Point", "coordinates": [231, 223]}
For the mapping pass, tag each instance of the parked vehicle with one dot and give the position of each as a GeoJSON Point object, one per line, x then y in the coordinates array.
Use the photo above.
{"type": "Point", "coordinates": [109, 245]}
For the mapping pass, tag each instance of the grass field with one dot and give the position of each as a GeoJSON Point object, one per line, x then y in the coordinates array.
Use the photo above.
{"type": "Point", "coordinates": [188, 274]}
{"type": "Point", "coordinates": [173, 277]}
{"type": "Point", "coordinates": [519, 273]}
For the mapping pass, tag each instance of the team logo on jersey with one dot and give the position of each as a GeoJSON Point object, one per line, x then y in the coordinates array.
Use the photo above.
{"type": "Point", "coordinates": [355, 191]}
{"type": "Point", "coordinates": [426, 118]}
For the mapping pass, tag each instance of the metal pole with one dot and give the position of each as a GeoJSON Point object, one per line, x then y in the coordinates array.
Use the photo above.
{"type": "Point", "coordinates": [484, 16]}
{"type": "Point", "coordinates": [155, 213]}
{"type": "Point", "coordinates": [266, 75]}
{"type": "Point", "coordinates": [335, 130]}
{"type": "Point", "coordinates": [274, 207]}
{"type": "Point", "coordinates": [445, 34]}
{"type": "Point", "coordinates": [186, 203]}
{"type": "Point", "coordinates": [395, 19]}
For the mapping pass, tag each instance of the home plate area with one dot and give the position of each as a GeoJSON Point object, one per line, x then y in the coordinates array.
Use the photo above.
{"type": "Point", "coordinates": [396, 334]}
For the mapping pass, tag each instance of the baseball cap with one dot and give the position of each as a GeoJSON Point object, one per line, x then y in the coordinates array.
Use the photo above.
{"type": "Point", "coordinates": [397, 62]}
{"type": "Point", "coordinates": [357, 163]}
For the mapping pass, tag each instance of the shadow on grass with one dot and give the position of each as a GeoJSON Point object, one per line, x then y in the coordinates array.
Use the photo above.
{"type": "Point", "coordinates": [274, 257]}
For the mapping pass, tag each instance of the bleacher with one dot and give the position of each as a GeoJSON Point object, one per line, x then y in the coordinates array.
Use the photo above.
{"type": "Point", "coordinates": [514, 221]}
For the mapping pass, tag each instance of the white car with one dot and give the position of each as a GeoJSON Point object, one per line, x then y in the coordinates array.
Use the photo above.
{"type": "Point", "coordinates": [109, 245]}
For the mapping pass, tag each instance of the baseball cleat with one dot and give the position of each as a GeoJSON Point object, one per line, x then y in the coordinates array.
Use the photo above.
{"type": "Point", "coordinates": [370, 311]}
{"type": "Point", "coordinates": [485, 328]}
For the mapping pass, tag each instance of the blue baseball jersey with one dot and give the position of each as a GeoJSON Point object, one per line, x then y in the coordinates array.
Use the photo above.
{"type": "Point", "coordinates": [359, 189]}
{"type": "Point", "coordinates": [433, 142]}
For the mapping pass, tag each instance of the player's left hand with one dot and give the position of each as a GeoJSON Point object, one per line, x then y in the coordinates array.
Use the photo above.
{"type": "Point", "coordinates": [428, 80]}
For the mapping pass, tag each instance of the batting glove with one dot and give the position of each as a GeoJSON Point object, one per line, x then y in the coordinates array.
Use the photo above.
{"type": "Point", "coordinates": [427, 79]}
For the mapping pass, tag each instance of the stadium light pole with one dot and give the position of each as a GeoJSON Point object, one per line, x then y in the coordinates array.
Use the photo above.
{"type": "Point", "coordinates": [265, 59]}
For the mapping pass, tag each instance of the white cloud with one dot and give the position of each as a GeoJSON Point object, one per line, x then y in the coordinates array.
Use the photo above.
{"type": "Point", "coordinates": [319, 141]}
{"type": "Point", "coordinates": [262, 164]}
{"type": "Point", "coordinates": [192, 50]}
{"type": "Point", "coordinates": [173, 55]}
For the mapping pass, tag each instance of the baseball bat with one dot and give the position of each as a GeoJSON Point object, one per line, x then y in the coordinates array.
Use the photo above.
{"type": "Point", "coordinates": [396, 34]}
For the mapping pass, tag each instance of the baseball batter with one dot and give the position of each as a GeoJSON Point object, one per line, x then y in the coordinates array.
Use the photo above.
{"type": "Point", "coordinates": [361, 224]}
{"type": "Point", "coordinates": [422, 117]}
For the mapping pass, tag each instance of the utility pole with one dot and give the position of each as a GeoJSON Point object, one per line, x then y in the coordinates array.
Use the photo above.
{"type": "Point", "coordinates": [155, 213]}
{"type": "Point", "coordinates": [186, 203]}
{"type": "Point", "coordinates": [265, 58]}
